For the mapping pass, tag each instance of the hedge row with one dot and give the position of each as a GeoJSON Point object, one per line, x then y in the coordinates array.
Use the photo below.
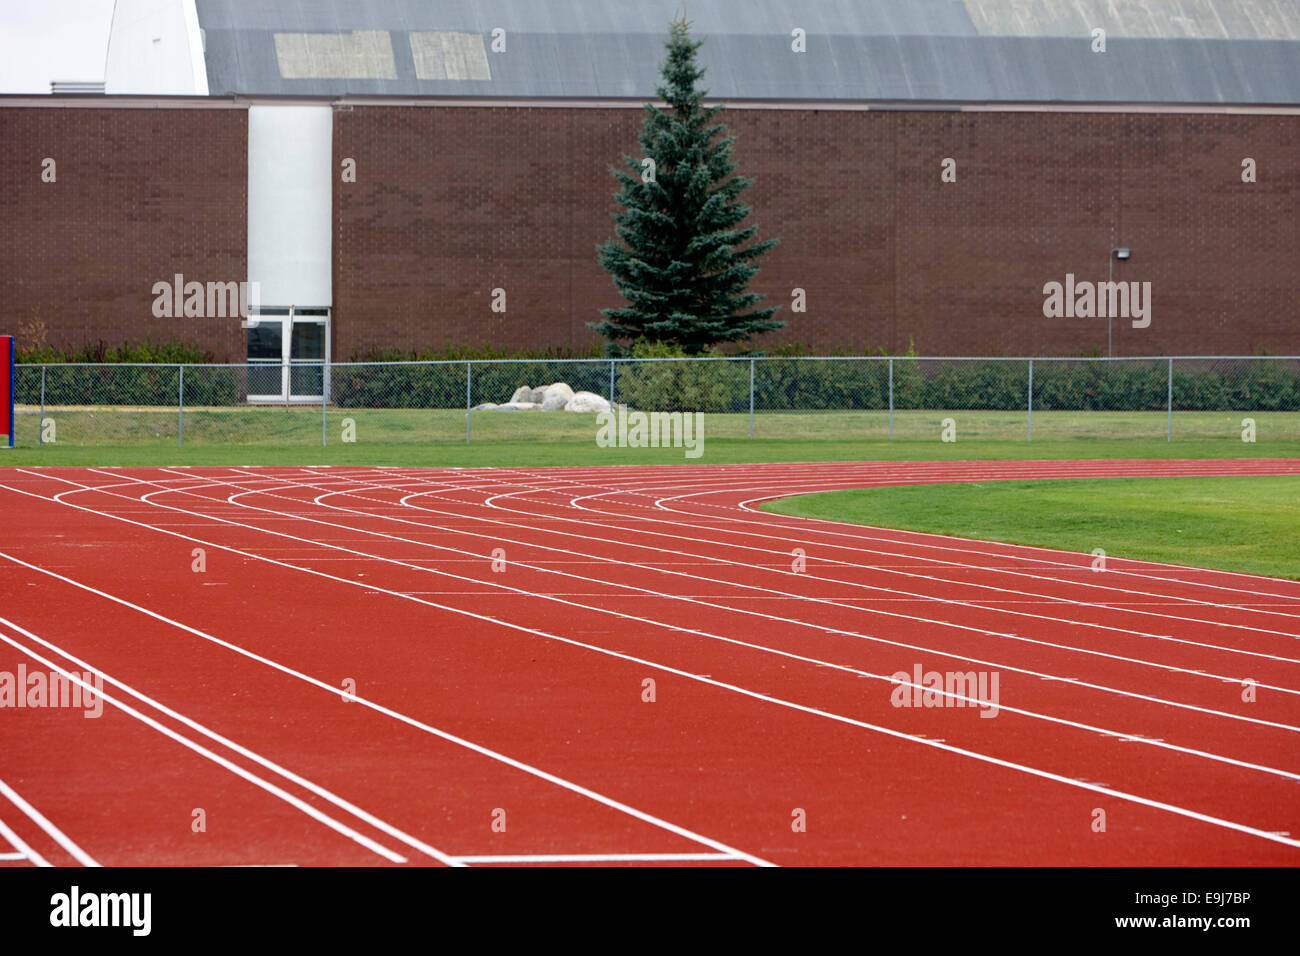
{"type": "Point", "coordinates": [173, 352]}
{"type": "Point", "coordinates": [129, 385]}
{"type": "Point", "coordinates": [1258, 385]}
{"type": "Point", "coordinates": [717, 386]}
{"type": "Point", "coordinates": [473, 353]}
{"type": "Point", "coordinates": [176, 352]}
{"type": "Point", "coordinates": [444, 386]}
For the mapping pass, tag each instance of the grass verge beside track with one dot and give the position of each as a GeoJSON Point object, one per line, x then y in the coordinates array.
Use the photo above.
{"type": "Point", "coordinates": [304, 427]}
{"type": "Point", "coordinates": [1249, 524]}
{"type": "Point", "coordinates": [539, 453]}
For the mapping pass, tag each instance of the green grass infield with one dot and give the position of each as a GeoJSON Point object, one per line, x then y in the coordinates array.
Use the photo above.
{"type": "Point", "coordinates": [1249, 524]}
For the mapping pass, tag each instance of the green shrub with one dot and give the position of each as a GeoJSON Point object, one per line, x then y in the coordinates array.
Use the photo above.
{"type": "Point", "coordinates": [173, 352]}
{"type": "Point", "coordinates": [1100, 386]}
{"type": "Point", "coordinates": [786, 384]}
{"type": "Point", "coordinates": [481, 353]}
{"type": "Point", "coordinates": [781, 380]}
{"type": "Point", "coordinates": [442, 385]}
{"type": "Point", "coordinates": [677, 384]}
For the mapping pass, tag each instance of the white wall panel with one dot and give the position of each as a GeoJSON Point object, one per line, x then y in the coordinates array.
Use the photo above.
{"type": "Point", "coordinates": [290, 177]}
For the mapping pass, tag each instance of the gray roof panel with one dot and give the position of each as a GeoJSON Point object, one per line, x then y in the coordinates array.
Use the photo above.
{"type": "Point", "coordinates": [1193, 51]}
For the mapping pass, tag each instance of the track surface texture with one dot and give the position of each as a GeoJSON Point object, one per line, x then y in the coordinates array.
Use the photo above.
{"type": "Point", "coordinates": [361, 666]}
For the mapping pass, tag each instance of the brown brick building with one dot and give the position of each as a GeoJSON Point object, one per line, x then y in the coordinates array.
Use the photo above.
{"type": "Point", "coordinates": [453, 200]}
{"type": "Point", "coordinates": [379, 171]}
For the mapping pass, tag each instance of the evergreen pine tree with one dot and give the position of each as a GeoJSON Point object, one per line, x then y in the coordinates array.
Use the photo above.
{"type": "Point", "coordinates": [680, 265]}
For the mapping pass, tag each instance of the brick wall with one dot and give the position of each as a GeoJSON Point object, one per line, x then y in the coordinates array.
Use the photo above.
{"type": "Point", "coordinates": [451, 203]}
{"type": "Point", "coordinates": [139, 196]}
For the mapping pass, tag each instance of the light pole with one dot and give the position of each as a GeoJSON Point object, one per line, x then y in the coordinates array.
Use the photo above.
{"type": "Point", "coordinates": [1110, 267]}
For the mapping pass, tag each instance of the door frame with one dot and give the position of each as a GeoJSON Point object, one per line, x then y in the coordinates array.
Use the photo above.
{"type": "Point", "coordinates": [293, 316]}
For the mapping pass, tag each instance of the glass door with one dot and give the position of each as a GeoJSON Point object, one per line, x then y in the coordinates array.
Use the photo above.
{"type": "Point", "coordinates": [266, 358]}
{"type": "Point", "coordinates": [287, 351]}
{"type": "Point", "coordinates": [307, 359]}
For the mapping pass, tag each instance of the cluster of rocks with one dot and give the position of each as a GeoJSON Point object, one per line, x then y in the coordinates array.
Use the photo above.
{"type": "Point", "coordinates": [548, 398]}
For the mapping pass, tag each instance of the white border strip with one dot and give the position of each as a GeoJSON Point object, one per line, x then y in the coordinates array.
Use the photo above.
{"type": "Point", "coordinates": [600, 858]}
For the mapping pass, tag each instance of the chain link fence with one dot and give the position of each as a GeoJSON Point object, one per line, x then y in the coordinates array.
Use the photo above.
{"type": "Point", "coordinates": [902, 398]}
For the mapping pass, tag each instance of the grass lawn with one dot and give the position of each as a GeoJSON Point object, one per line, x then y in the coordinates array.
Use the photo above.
{"type": "Point", "coordinates": [537, 453]}
{"type": "Point", "coordinates": [1249, 524]}
{"type": "Point", "coordinates": [278, 435]}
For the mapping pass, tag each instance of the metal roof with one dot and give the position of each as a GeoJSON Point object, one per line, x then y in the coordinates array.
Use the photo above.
{"type": "Point", "coordinates": [1161, 51]}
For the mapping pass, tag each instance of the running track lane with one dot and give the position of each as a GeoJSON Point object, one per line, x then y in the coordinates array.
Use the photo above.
{"type": "Point", "coordinates": [772, 691]}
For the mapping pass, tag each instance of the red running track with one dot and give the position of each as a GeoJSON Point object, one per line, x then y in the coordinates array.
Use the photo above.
{"type": "Point", "coordinates": [622, 665]}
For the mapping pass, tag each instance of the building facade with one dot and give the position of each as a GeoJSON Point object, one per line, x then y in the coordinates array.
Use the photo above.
{"type": "Point", "coordinates": [423, 179]}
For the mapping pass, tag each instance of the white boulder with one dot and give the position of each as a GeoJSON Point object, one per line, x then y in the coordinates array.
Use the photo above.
{"type": "Point", "coordinates": [525, 394]}
{"type": "Point", "coordinates": [587, 402]}
{"type": "Point", "coordinates": [550, 398]}
{"type": "Point", "coordinates": [558, 394]}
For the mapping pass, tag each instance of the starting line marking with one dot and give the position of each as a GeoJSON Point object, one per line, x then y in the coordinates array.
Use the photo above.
{"type": "Point", "coordinates": [59, 837]}
{"type": "Point", "coordinates": [24, 851]}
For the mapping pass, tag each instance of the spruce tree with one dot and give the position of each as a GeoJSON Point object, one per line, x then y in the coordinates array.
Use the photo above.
{"type": "Point", "coordinates": [680, 264]}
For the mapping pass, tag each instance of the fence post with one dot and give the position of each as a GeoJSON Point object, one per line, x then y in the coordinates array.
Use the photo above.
{"type": "Point", "coordinates": [40, 425]}
{"type": "Point", "coordinates": [891, 399]}
{"type": "Point", "coordinates": [324, 413]}
{"type": "Point", "coordinates": [467, 382]}
{"type": "Point", "coordinates": [751, 398]}
{"type": "Point", "coordinates": [1169, 433]}
{"type": "Point", "coordinates": [180, 404]}
{"type": "Point", "coordinates": [1030, 436]}
{"type": "Point", "coordinates": [611, 385]}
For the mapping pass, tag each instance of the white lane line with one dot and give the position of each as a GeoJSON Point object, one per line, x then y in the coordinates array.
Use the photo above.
{"type": "Point", "coordinates": [971, 548]}
{"type": "Point", "coordinates": [678, 535]}
{"type": "Point", "coordinates": [25, 852]}
{"type": "Point", "coordinates": [59, 837]}
{"type": "Point", "coordinates": [707, 559]}
{"type": "Point", "coordinates": [598, 858]}
{"type": "Point", "coordinates": [380, 708]}
{"type": "Point", "coordinates": [243, 751]}
{"type": "Point", "coordinates": [817, 661]}
{"type": "Point", "coordinates": [887, 731]}
{"type": "Point", "coordinates": [216, 758]}
{"type": "Point", "coordinates": [900, 552]}
{"type": "Point", "coordinates": [824, 478]}
{"type": "Point", "coordinates": [762, 648]}
{"type": "Point", "coordinates": [723, 478]}
{"type": "Point", "coordinates": [969, 545]}
{"type": "Point", "coordinates": [1150, 741]}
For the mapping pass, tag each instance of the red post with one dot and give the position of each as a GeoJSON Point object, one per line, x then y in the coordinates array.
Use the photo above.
{"type": "Point", "coordinates": [7, 386]}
